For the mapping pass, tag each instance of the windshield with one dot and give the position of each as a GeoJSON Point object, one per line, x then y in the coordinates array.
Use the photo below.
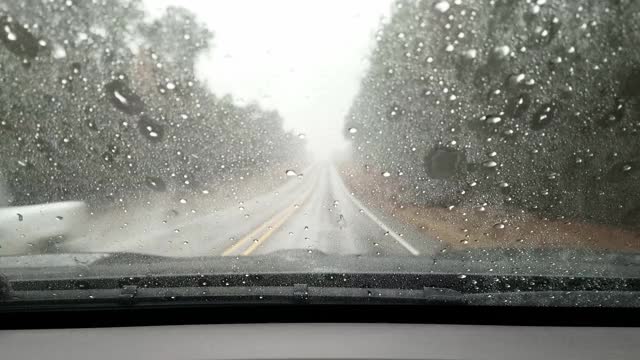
{"type": "Point", "coordinates": [453, 138]}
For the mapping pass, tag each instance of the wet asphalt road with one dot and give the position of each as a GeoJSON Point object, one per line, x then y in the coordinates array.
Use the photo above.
{"type": "Point", "coordinates": [314, 212]}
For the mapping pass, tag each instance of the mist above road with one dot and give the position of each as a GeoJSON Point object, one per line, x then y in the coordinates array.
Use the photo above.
{"type": "Point", "coordinates": [306, 60]}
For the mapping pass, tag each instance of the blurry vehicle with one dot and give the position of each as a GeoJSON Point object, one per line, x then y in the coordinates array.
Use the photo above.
{"type": "Point", "coordinates": [40, 228]}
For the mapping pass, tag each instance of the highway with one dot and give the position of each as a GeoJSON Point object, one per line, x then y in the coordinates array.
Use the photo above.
{"type": "Point", "coordinates": [314, 212]}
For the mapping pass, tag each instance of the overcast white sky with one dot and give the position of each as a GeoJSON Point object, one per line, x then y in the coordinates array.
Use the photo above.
{"type": "Point", "coordinates": [304, 58]}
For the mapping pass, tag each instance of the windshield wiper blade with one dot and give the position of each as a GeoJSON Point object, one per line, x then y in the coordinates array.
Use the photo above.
{"type": "Point", "coordinates": [5, 288]}
{"type": "Point", "coordinates": [132, 295]}
{"type": "Point", "coordinates": [320, 288]}
{"type": "Point", "coordinates": [295, 294]}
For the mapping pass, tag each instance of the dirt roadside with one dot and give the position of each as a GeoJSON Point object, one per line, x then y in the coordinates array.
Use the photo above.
{"type": "Point", "coordinates": [466, 227]}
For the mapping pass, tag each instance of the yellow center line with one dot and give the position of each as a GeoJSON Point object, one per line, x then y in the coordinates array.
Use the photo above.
{"type": "Point", "coordinates": [253, 233]}
{"type": "Point", "coordinates": [270, 231]}
{"type": "Point", "coordinates": [275, 227]}
{"type": "Point", "coordinates": [284, 214]}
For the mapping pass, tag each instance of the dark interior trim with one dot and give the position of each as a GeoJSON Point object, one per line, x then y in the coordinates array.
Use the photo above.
{"type": "Point", "coordinates": [179, 314]}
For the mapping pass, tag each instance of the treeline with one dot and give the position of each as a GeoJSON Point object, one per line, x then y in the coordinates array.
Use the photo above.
{"type": "Point", "coordinates": [98, 104]}
{"type": "Point", "coordinates": [509, 105]}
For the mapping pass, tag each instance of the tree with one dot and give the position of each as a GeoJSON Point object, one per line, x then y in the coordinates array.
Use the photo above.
{"type": "Point", "coordinates": [100, 106]}
{"type": "Point", "coordinates": [517, 105]}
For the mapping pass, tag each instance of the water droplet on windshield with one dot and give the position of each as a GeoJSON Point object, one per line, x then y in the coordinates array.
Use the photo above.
{"type": "Point", "coordinates": [493, 119]}
{"type": "Point", "coordinates": [442, 6]}
{"type": "Point", "coordinates": [353, 130]}
{"type": "Point", "coordinates": [123, 98]}
{"type": "Point", "coordinates": [443, 163]}
{"type": "Point", "coordinates": [490, 164]}
{"type": "Point", "coordinates": [544, 116]}
{"type": "Point", "coordinates": [17, 38]}
{"type": "Point", "coordinates": [518, 106]}
{"type": "Point", "coordinates": [386, 174]}
{"type": "Point", "coordinates": [470, 54]}
{"type": "Point", "coordinates": [614, 116]}
{"type": "Point", "coordinates": [290, 173]}
{"type": "Point", "coordinates": [150, 129]}
{"type": "Point", "coordinates": [515, 79]}
{"type": "Point", "coordinates": [501, 52]}
{"type": "Point", "coordinates": [622, 171]}
{"type": "Point", "coordinates": [155, 183]}
{"type": "Point", "coordinates": [76, 68]}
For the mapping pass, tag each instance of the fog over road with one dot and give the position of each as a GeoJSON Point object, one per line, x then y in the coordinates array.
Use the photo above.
{"type": "Point", "coordinates": [314, 212]}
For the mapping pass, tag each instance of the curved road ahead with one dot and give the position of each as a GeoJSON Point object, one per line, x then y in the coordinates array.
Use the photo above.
{"type": "Point", "coordinates": [316, 213]}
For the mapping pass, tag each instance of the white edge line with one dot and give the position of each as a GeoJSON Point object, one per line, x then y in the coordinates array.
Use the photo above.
{"type": "Point", "coordinates": [384, 227]}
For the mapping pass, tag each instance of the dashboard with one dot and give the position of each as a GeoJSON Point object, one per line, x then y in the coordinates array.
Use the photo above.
{"type": "Point", "coordinates": [322, 341]}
